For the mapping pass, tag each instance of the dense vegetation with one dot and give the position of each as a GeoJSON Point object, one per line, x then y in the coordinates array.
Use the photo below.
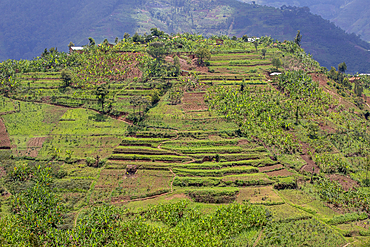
{"type": "Point", "coordinates": [174, 140]}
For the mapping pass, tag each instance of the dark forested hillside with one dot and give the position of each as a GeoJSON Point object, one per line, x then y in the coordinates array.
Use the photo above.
{"type": "Point", "coordinates": [28, 28]}
{"type": "Point", "coordinates": [350, 15]}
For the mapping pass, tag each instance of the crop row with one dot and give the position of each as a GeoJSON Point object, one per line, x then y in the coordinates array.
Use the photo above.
{"type": "Point", "coordinates": [172, 158]}
{"type": "Point", "coordinates": [219, 165]}
{"type": "Point", "coordinates": [215, 172]}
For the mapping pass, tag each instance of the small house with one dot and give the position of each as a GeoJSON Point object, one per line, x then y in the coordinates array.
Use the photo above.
{"type": "Point", "coordinates": [78, 49]}
{"type": "Point", "coordinates": [219, 41]}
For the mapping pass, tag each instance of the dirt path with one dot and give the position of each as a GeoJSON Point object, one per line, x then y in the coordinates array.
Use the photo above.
{"type": "Point", "coordinates": [258, 239]}
{"type": "Point", "coordinates": [4, 137]}
{"type": "Point", "coordinates": [174, 176]}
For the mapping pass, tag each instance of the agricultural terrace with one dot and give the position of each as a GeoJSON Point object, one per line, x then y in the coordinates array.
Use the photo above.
{"type": "Point", "coordinates": [183, 141]}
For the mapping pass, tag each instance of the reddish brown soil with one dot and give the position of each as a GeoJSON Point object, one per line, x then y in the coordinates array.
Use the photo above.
{"type": "Point", "coordinates": [181, 196]}
{"type": "Point", "coordinates": [30, 152]}
{"type": "Point", "coordinates": [310, 165]}
{"type": "Point", "coordinates": [4, 137]}
{"type": "Point", "coordinates": [321, 79]}
{"type": "Point", "coordinates": [243, 142]}
{"type": "Point", "coordinates": [282, 172]}
{"type": "Point", "coordinates": [189, 67]}
{"type": "Point", "coordinates": [326, 128]}
{"type": "Point", "coordinates": [194, 102]}
{"type": "Point", "coordinates": [2, 172]}
{"type": "Point", "coordinates": [346, 182]}
{"type": "Point", "coordinates": [269, 168]}
{"type": "Point", "coordinates": [36, 142]}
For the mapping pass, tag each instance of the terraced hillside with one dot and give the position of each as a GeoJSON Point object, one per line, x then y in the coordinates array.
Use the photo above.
{"type": "Point", "coordinates": [170, 149]}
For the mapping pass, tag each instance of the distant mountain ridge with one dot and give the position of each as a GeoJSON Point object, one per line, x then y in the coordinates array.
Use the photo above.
{"type": "Point", "coordinates": [28, 28]}
{"type": "Point", "coordinates": [353, 16]}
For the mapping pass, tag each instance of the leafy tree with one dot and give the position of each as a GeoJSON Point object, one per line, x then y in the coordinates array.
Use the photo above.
{"type": "Point", "coordinates": [137, 38]}
{"type": "Point", "coordinates": [245, 38]}
{"type": "Point", "coordinates": [91, 41]}
{"type": "Point", "coordinates": [155, 96]}
{"type": "Point", "coordinates": [342, 67]}
{"type": "Point", "coordinates": [126, 36]}
{"type": "Point", "coordinates": [116, 40]}
{"type": "Point", "coordinates": [203, 53]}
{"type": "Point", "coordinates": [176, 63]}
{"type": "Point", "coordinates": [67, 77]}
{"type": "Point", "coordinates": [358, 89]}
{"type": "Point", "coordinates": [70, 44]}
{"type": "Point", "coordinates": [333, 73]}
{"type": "Point", "coordinates": [100, 93]}
{"type": "Point", "coordinates": [255, 44]}
{"type": "Point", "coordinates": [45, 53]}
{"type": "Point", "coordinates": [276, 62]}
{"type": "Point", "coordinates": [158, 51]}
{"type": "Point", "coordinates": [53, 50]}
{"type": "Point", "coordinates": [156, 32]}
{"type": "Point", "coordinates": [38, 208]}
{"type": "Point", "coordinates": [263, 53]}
{"type": "Point", "coordinates": [298, 38]}
{"type": "Point", "coordinates": [234, 38]}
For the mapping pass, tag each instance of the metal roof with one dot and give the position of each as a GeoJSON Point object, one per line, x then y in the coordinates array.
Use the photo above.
{"type": "Point", "coordinates": [77, 48]}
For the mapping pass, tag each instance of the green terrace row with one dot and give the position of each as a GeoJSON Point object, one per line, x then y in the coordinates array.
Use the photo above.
{"type": "Point", "coordinates": [161, 133]}
{"type": "Point", "coordinates": [240, 63]}
{"type": "Point", "coordinates": [230, 83]}
{"type": "Point", "coordinates": [218, 165]}
{"type": "Point", "coordinates": [229, 77]}
{"type": "Point", "coordinates": [141, 150]}
{"type": "Point", "coordinates": [215, 172]}
{"type": "Point", "coordinates": [231, 180]}
{"type": "Point", "coordinates": [213, 195]}
{"type": "Point", "coordinates": [149, 142]}
{"type": "Point", "coordinates": [217, 149]}
{"type": "Point", "coordinates": [39, 75]}
{"type": "Point", "coordinates": [203, 143]}
{"type": "Point", "coordinates": [142, 165]}
{"type": "Point", "coordinates": [197, 157]}
{"type": "Point", "coordinates": [165, 158]}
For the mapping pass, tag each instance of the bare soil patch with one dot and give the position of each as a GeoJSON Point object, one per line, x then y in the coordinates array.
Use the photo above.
{"type": "Point", "coordinates": [283, 173]}
{"type": "Point", "coordinates": [326, 128]}
{"type": "Point", "coordinates": [194, 102]}
{"type": "Point", "coordinates": [311, 166]}
{"type": "Point", "coordinates": [346, 182]}
{"type": "Point", "coordinates": [269, 168]}
{"type": "Point", "coordinates": [36, 142]}
{"type": "Point", "coordinates": [2, 172]}
{"type": "Point", "coordinates": [4, 137]}
{"type": "Point", "coordinates": [180, 196]}
{"type": "Point", "coordinates": [30, 152]}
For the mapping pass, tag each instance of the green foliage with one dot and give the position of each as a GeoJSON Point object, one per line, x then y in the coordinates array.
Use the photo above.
{"type": "Point", "coordinates": [298, 38]}
{"type": "Point", "coordinates": [203, 54]}
{"type": "Point", "coordinates": [276, 62]}
{"type": "Point", "coordinates": [67, 77]}
{"type": "Point", "coordinates": [300, 233]}
{"type": "Point", "coordinates": [345, 218]}
{"type": "Point", "coordinates": [38, 208]}
{"type": "Point", "coordinates": [332, 192]}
